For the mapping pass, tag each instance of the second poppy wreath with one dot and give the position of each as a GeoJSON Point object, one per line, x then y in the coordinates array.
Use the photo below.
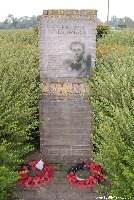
{"type": "Point", "coordinates": [92, 181]}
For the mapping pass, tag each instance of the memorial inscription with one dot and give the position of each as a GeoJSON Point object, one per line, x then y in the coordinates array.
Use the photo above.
{"type": "Point", "coordinates": [62, 39]}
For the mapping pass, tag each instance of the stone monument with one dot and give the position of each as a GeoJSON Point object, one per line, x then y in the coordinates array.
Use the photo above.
{"type": "Point", "coordinates": [67, 41]}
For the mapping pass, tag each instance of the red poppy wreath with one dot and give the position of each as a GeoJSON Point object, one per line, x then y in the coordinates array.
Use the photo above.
{"type": "Point", "coordinates": [92, 181]}
{"type": "Point", "coordinates": [43, 174]}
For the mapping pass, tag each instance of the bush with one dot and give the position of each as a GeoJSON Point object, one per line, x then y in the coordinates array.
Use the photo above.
{"type": "Point", "coordinates": [103, 50]}
{"type": "Point", "coordinates": [18, 103]}
{"type": "Point", "coordinates": [22, 37]}
{"type": "Point", "coordinates": [123, 38]}
{"type": "Point", "coordinates": [102, 30]}
{"type": "Point", "coordinates": [8, 176]}
{"type": "Point", "coordinates": [112, 100]}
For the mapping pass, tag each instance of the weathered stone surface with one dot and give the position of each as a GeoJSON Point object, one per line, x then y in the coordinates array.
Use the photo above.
{"type": "Point", "coordinates": [57, 36]}
{"type": "Point", "coordinates": [67, 13]}
{"type": "Point", "coordinates": [66, 133]}
{"type": "Point", "coordinates": [58, 189]}
{"type": "Point", "coordinates": [67, 40]}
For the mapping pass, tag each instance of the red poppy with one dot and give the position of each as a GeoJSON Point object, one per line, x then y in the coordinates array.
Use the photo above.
{"type": "Point", "coordinates": [86, 183]}
{"type": "Point", "coordinates": [41, 179]}
{"type": "Point", "coordinates": [95, 168]}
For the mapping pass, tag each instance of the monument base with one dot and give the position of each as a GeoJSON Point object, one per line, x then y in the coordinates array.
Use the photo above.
{"type": "Point", "coordinates": [66, 123]}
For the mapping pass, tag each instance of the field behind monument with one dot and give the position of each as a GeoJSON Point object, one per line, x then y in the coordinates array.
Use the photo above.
{"type": "Point", "coordinates": [112, 100]}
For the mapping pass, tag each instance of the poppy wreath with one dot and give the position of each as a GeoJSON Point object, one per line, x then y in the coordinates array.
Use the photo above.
{"type": "Point", "coordinates": [92, 181]}
{"type": "Point", "coordinates": [41, 178]}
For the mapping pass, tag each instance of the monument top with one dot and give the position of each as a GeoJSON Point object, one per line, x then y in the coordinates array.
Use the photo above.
{"type": "Point", "coordinates": [67, 43]}
{"type": "Point", "coordinates": [89, 14]}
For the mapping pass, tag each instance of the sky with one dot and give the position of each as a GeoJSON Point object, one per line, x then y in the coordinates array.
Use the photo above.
{"type": "Point", "coordinates": [20, 8]}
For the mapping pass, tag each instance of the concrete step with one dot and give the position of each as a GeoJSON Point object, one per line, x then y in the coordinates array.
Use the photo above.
{"type": "Point", "coordinates": [57, 189]}
{"type": "Point", "coordinates": [56, 192]}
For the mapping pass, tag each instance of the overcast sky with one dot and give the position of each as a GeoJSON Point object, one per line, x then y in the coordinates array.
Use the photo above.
{"type": "Point", "coordinates": [20, 8]}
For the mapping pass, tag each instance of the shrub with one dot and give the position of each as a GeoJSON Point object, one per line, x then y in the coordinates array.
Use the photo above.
{"type": "Point", "coordinates": [103, 50]}
{"type": "Point", "coordinates": [8, 176]}
{"type": "Point", "coordinates": [23, 37]}
{"type": "Point", "coordinates": [102, 29]}
{"type": "Point", "coordinates": [19, 86]}
{"type": "Point", "coordinates": [123, 38]}
{"type": "Point", "coordinates": [113, 105]}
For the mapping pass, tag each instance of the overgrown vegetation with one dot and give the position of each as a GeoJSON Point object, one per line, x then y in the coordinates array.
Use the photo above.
{"type": "Point", "coordinates": [102, 30]}
{"type": "Point", "coordinates": [113, 103]}
{"type": "Point", "coordinates": [19, 84]}
{"type": "Point", "coordinates": [112, 100]}
{"type": "Point", "coordinates": [104, 49]}
{"type": "Point", "coordinates": [123, 38]}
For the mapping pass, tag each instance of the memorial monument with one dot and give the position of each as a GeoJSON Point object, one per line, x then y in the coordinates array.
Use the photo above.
{"type": "Point", "coordinates": [67, 41]}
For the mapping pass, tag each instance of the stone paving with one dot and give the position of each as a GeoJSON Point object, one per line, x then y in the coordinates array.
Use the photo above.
{"type": "Point", "coordinates": [58, 188]}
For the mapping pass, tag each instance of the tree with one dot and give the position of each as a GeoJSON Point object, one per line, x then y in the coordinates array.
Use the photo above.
{"type": "Point", "coordinates": [129, 22]}
{"type": "Point", "coordinates": [121, 22]}
{"type": "Point", "coordinates": [24, 22]}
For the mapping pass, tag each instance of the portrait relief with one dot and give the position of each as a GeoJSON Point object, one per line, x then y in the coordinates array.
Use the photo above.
{"type": "Point", "coordinates": [79, 63]}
